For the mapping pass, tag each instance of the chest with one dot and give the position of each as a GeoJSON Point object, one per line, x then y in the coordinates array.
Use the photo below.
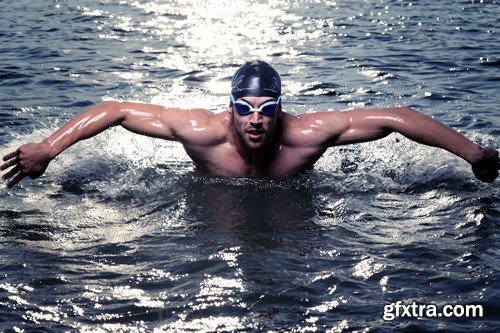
{"type": "Point", "coordinates": [224, 160]}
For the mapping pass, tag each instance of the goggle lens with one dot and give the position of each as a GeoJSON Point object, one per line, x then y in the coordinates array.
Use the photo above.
{"type": "Point", "coordinates": [268, 108]}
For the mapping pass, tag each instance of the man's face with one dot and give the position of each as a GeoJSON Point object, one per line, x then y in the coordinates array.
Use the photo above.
{"type": "Point", "coordinates": [255, 129]}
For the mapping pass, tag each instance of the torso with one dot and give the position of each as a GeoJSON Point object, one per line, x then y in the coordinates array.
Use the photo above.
{"type": "Point", "coordinates": [224, 160]}
{"type": "Point", "coordinates": [213, 151]}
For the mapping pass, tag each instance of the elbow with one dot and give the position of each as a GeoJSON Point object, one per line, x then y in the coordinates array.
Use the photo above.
{"type": "Point", "coordinates": [116, 111]}
{"type": "Point", "coordinates": [407, 112]}
{"type": "Point", "coordinates": [401, 116]}
{"type": "Point", "coordinates": [404, 111]}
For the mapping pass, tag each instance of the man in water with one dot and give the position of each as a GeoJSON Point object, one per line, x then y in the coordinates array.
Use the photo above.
{"type": "Point", "coordinates": [254, 137]}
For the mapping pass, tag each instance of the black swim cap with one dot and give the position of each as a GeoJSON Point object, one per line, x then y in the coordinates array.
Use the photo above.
{"type": "Point", "coordinates": [256, 78]}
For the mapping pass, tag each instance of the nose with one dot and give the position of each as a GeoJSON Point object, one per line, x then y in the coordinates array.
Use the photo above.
{"type": "Point", "coordinates": [256, 118]}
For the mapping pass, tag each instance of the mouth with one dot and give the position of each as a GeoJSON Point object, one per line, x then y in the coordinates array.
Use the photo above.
{"type": "Point", "coordinates": [255, 135]}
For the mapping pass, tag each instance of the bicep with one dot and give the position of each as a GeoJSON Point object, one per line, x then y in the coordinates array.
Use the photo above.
{"type": "Point", "coordinates": [151, 120]}
{"type": "Point", "coordinates": [363, 125]}
{"type": "Point", "coordinates": [333, 128]}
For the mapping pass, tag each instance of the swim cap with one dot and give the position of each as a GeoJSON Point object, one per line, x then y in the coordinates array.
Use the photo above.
{"type": "Point", "coordinates": [256, 78]}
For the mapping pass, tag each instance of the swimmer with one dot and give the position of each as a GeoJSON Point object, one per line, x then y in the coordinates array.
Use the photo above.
{"type": "Point", "coordinates": [254, 137]}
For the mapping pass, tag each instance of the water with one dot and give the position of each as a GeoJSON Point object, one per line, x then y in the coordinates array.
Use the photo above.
{"type": "Point", "coordinates": [123, 235]}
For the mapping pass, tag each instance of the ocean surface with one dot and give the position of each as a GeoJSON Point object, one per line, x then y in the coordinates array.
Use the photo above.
{"type": "Point", "coordinates": [122, 234]}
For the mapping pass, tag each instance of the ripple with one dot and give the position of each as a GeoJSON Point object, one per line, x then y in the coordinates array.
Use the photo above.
{"type": "Point", "coordinates": [122, 234]}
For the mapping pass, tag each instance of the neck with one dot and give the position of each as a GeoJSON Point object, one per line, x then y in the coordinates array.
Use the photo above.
{"type": "Point", "coordinates": [260, 156]}
{"type": "Point", "coordinates": [257, 156]}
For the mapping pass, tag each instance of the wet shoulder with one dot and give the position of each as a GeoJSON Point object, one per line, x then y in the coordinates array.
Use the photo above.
{"type": "Point", "coordinates": [203, 127]}
{"type": "Point", "coordinates": [311, 129]}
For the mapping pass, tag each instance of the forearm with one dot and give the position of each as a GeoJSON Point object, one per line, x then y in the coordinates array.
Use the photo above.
{"type": "Point", "coordinates": [85, 125]}
{"type": "Point", "coordinates": [423, 129]}
{"type": "Point", "coordinates": [32, 159]}
{"type": "Point", "coordinates": [361, 125]}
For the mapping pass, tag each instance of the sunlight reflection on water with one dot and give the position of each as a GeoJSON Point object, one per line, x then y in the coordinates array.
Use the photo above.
{"type": "Point", "coordinates": [122, 235]}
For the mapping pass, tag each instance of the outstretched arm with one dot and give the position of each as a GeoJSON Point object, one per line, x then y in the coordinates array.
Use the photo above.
{"type": "Point", "coordinates": [33, 158]}
{"type": "Point", "coordinates": [365, 125]}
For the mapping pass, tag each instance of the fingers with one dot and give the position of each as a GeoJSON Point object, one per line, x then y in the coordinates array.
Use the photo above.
{"type": "Point", "coordinates": [16, 180]}
{"type": "Point", "coordinates": [10, 163]}
{"type": "Point", "coordinates": [12, 160]}
{"type": "Point", "coordinates": [18, 176]}
{"type": "Point", "coordinates": [12, 172]}
{"type": "Point", "coordinates": [10, 155]}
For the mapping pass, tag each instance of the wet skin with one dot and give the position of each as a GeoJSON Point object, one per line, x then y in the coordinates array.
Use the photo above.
{"type": "Point", "coordinates": [254, 145]}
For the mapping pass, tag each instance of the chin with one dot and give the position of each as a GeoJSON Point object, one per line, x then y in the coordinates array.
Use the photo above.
{"type": "Point", "coordinates": [255, 145]}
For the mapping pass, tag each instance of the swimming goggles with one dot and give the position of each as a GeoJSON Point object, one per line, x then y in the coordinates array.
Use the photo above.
{"type": "Point", "coordinates": [267, 108]}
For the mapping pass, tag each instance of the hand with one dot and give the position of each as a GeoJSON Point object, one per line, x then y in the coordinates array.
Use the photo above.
{"type": "Point", "coordinates": [486, 166]}
{"type": "Point", "coordinates": [30, 160]}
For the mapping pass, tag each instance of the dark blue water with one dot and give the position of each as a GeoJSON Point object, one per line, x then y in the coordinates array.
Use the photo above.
{"type": "Point", "coordinates": [122, 235]}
